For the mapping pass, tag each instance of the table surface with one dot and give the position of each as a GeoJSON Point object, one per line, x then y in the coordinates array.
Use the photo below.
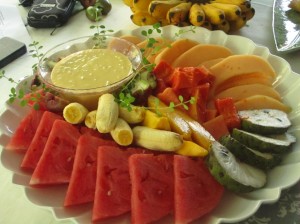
{"type": "Point", "coordinates": [259, 29]}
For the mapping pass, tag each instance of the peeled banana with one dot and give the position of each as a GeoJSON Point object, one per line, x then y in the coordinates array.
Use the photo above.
{"type": "Point", "coordinates": [122, 133]}
{"type": "Point", "coordinates": [107, 113]}
{"type": "Point", "coordinates": [226, 15]}
{"type": "Point", "coordinates": [155, 139]}
{"type": "Point", "coordinates": [90, 119]}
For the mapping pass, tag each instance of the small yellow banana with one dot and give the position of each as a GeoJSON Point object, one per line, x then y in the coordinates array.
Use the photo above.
{"type": "Point", "coordinates": [212, 14]}
{"type": "Point", "coordinates": [107, 113]}
{"type": "Point", "coordinates": [141, 5]}
{"type": "Point", "coordinates": [159, 9]}
{"type": "Point", "coordinates": [225, 26]}
{"type": "Point", "coordinates": [197, 15]}
{"type": "Point", "coordinates": [122, 133]}
{"type": "Point", "coordinates": [207, 25]}
{"type": "Point", "coordinates": [249, 14]}
{"type": "Point", "coordinates": [141, 18]}
{"type": "Point", "coordinates": [75, 113]}
{"type": "Point", "coordinates": [90, 119]}
{"type": "Point", "coordinates": [232, 12]}
{"type": "Point", "coordinates": [245, 5]}
{"type": "Point", "coordinates": [179, 13]}
{"type": "Point", "coordinates": [128, 2]}
{"type": "Point", "coordinates": [237, 24]}
{"type": "Point", "coordinates": [155, 139]}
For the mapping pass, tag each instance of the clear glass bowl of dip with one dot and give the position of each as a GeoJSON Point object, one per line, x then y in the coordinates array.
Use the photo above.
{"type": "Point", "coordinates": [82, 69]}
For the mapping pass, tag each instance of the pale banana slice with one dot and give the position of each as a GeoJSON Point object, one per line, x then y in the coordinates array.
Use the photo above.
{"type": "Point", "coordinates": [75, 113]}
{"type": "Point", "coordinates": [122, 133]}
{"type": "Point", "coordinates": [90, 119]}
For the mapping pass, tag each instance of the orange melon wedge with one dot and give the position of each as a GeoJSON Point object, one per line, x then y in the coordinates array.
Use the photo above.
{"type": "Point", "coordinates": [243, 91]}
{"type": "Point", "coordinates": [177, 48]}
{"type": "Point", "coordinates": [261, 102]}
{"type": "Point", "coordinates": [240, 64]}
{"type": "Point", "coordinates": [252, 78]}
{"type": "Point", "coordinates": [201, 53]}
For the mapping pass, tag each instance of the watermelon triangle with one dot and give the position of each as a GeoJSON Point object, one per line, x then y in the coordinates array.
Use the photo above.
{"type": "Point", "coordinates": [39, 140]}
{"type": "Point", "coordinates": [196, 191]}
{"type": "Point", "coordinates": [25, 131]}
{"type": "Point", "coordinates": [83, 179]}
{"type": "Point", "coordinates": [113, 187]}
{"type": "Point", "coordinates": [56, 163]}
{"type": "Point", "coordinates": [152, 187]}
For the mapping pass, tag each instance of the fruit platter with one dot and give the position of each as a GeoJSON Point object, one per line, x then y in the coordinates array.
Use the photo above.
{"type": "Point", "coordinates": [199, 168]}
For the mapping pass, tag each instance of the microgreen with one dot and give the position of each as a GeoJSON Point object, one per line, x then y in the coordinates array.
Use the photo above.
{"type": "Point", "coordinates": [100, 35]}
{"type": "Point", "coordinates": [35, 53]}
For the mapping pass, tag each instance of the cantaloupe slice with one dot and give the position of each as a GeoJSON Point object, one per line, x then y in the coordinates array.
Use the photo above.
{"type": "Point", "coordinates": [132, 39]}
{"type": "Point", "coordinates": [210, 63]}
{"type": "Point", "coordinates": [201, 53]}
{"type": "Point", "coordinates": [252, 78]}
{"type": "Point", "coordinates": [244, 91]}
{"type": "Point", "coordinates": [240, 64]}
{"type": "Point", "coordinates": [261, 102]}
{"type": "Point", "coordinates": [177, 48]}
{"type": "Point", "coordinates": [151, 52]}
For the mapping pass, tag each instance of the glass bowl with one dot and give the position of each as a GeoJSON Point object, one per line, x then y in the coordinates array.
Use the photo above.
{"type": "Point", "coordinates": [88, 96]}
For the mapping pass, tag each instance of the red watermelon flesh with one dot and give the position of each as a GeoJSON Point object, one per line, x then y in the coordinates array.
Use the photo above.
{"type": "Point", "coordinates": [25, 131]}
{"type": "Point", "coordinates": [152, 181]}
{"type": "Point", "coordinates": [196, 191]}
{"type": "Point", "coordinates": [113, 187]}
{"type": "Point", "coordinates": [82, 184]}
{"type": "Point", "coordinates": [36, 147]}
{"type": "Point", "coordinates": [56, 163]}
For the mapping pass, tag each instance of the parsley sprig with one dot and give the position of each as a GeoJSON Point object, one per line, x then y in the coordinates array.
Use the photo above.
{"type": "Point", "coordinates": [100, 35]}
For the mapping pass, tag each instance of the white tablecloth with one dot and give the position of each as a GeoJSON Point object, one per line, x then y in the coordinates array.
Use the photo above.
{"type": "Point", "coordinates": [14, 207]}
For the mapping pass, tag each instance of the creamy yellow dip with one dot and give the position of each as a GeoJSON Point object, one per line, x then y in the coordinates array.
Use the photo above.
{"type": "Point", "coordinates": [91, 68]}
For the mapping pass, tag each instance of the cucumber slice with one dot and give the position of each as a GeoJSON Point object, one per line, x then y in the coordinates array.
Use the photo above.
{"type": "Point", "coordinates": [272, 143]}
{"type": "Point", "coordinates": [264, 121]}
{"type": "Point", "coordinates": [250, 156]}
{"type": "Point", "coordinates": [231, 173]}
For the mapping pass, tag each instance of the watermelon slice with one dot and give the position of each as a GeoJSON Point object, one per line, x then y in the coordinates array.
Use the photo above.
{"type": "Point", "coordinates": [25, 131]}
{"type": "Point", "coordinates": [36, 147]}
{"type": "Point", "coordinates": [196, 191]}
{"type": "Point", "coordinates": [56, 163]}
{"type": "Point", "coordinates": [152, 187]}
{"type": "Point", "coordinates": [113, 187]}
{"type": "Point", "coordinates": [83, 179]}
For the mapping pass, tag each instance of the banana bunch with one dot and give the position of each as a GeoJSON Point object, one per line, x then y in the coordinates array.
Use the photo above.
{"type": "Point", "coordinates": [226, 15]}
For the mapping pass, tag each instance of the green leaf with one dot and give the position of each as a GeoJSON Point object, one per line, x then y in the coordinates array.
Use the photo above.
{"type": "Point", "coordinates": [172, 105]}
{"type": "Point", "coordinates": [180, 98]}
{"type": "Point", "coordinates": [11, 99]}
{"type": "Point", "coordinates": [192, 100]}
{"type": "Point", "coordinates": [23, 103]}
{"type": "Point", "coordinates": [13, 90]}
{"type": "Point", "coordinates": [36, 106]}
